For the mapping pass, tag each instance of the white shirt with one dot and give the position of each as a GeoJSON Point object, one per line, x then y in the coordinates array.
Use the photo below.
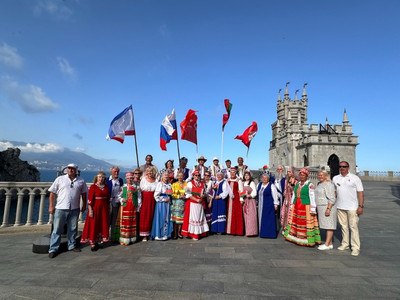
{"type": "Point", "coordinates": [346, 190]}
{"type": "Point", "coordinates": [68, 192]}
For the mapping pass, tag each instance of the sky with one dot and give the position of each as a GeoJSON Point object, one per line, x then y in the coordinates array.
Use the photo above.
{"type": "Point", "coordinates": [68, 67]}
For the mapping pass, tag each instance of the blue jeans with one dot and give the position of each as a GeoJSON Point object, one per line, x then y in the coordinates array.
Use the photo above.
{"type": "Point", "coordinates": [62, 216]}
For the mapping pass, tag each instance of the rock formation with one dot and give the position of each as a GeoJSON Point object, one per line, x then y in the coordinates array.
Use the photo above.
{"type": "Point", "coordinates": [12, 168]}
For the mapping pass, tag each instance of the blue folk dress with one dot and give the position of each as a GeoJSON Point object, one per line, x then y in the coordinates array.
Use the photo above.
{"type": "Point", "coordinates": [266, 211]}
{"type": "Point", "coordinates": [162, 225]}
{"type": "Point", "coordinates": [218, 221]}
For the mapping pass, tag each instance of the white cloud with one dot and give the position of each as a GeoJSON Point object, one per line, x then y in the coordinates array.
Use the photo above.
{"type": "Point", "coordinates": [31, 98]}
{"type": "Point", "coordinates": [32, 147]}
{"type": "Point", "coordinates": [66, 68]}
{"type": "Point", "coordinates": [55, 8]}
{"type": "Point", "coordinates": [79, 149]}
{"type": "Point", "coordinates": [9, 56]}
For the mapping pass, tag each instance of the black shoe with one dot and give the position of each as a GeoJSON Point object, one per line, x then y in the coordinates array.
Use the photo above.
{"type": "Point", "coordinates": [93, 249]}
{"type": "Point", "coordinates": [52, 254]}
{"type": "Point", "coordinates": [75, 250]}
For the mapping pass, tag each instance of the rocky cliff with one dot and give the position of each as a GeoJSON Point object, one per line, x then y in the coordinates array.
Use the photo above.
{"type": "Point", "coordinates": [12, 168]}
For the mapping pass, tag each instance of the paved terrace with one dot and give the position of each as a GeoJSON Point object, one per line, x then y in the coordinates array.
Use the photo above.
{"type": "Point", "coordinates": [217, 267]}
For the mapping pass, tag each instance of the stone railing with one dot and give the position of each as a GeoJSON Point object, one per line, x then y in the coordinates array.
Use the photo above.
{"type": "Point", "coordinates": [380, 175]}
{"type": "Point", "coordinates": [28, 191]}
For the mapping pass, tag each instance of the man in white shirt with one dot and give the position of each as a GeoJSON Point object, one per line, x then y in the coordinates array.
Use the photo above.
{"type": "Point", "coordinates": [350, 204]}
{"type": "Point", "coordinates": [69, 189]}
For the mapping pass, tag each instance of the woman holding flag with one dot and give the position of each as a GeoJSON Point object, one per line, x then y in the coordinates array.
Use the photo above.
{"type": "Point", "coordinates": [194, 223]}
{"type": "Point", "coordinates": [162, 226]}
{"type": "Point", "coordinates": [250, 205]}
{"type": "Point", "coordinates": [178, 205]}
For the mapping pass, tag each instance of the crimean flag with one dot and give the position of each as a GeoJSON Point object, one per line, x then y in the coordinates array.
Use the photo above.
{"type": "Point", "coordinates": [122, 125]}
{"type": "Point", "coordinates": [248, 134]}
{"type": "Point", "coordinates": [225, 117]}
{"type": "Point", "coordinates": [189, 127]}
{"type": "Point", "coordinates": [168, 130]}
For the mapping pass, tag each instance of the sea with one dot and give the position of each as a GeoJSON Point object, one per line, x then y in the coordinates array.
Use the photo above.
{"type": "Point", "coordinates": [45, 176]}
{"type": "Point", "coordinates": [51, 175]}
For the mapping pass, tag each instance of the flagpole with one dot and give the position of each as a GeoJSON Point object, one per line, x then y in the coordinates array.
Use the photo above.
{"type": "Point", "coordinates": [197, 152]}
{"type": "Point", "coordinates": [177, 146]}
{"type": "Point", "coordinates": [222, 146]}
{"type": "Point", "coordinates": [247, 155]}
{"type": "Point", "coordinates": [137, 155]}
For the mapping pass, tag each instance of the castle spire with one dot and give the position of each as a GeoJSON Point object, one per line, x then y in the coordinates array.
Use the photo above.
{"type": "Point", "coordinates": [295, 95]}
{"type": "Point", "coordinates": [286, 90]}
{"type": "Point", "coordinates": [345, 120]}
{"type": "Point", "coordinates": [279, 95]}
{"type": "Point", "coordinates": [304, 95]}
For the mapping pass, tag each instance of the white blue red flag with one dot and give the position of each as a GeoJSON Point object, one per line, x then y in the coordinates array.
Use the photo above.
{"type": "Point", "coordinates": [168, 130]}
{"type": "Point", "coordinates": [122, 125]}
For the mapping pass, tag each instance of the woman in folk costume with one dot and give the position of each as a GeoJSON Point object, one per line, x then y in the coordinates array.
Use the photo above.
{"type": "Point", "coordinates": [250, 205]}
{"type": "Point", "coordinates": [147, 186]}
{"type": "Point", "coordinates": [303, 226]}
{"type": "Point", "coordinates": [178, 205]}
{"type": "Point", "coordinates": [221, 192]}
{"type": "Point", "coordinates": [162, 227]}
{"type": "Point", "coordinates": [96, 228]}
{"type": "Point", "coordinates": [207, 196]}
{"type": "Point", "coordinates": [194, 223]}
{"type": "Point", "coordinates": [268, 202]}
{"type": "Point", "coordinates": [234, 221]}
{"type": "Point", "coordinates": [290, 183]}
{"type": "Point", "coordinates": [130, 199]}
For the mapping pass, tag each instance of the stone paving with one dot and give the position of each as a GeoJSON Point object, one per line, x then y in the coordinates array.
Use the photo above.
{"type": "Point", "coordinates": [216, 267]}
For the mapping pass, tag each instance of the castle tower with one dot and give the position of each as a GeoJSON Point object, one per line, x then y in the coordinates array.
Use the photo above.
{"type": "Point", "coordinates": [296, 143]}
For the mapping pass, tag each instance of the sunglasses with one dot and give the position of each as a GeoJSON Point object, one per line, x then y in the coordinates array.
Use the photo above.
{"type": "Point", "coordinates": [72, 184]}
{"type": "Point", "coordinates": [343, 167]}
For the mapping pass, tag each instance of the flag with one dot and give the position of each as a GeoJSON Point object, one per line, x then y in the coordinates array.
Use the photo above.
{"type": "Point", "coordinates": [189, 127]}
{"type": "Point", "coordinates": [122, 125]}
{"type": "Point", "coordinates": [248, 134]}
{"type": "Point", "coordinates": [168, 130]}
{"type": "Point", "coordinates": [225, 117]}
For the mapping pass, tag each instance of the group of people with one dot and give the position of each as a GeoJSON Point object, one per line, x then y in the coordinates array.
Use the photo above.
{"type": "Point", "coordinates": [177, 203]}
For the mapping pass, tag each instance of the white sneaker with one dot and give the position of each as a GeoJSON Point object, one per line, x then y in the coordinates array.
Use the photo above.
{"type": "Point", "coordinates": [324, 247]}
{"type": "Point", "coordinates": [355, 252]}
{"type": "Point", "coordinates": [330, 246]}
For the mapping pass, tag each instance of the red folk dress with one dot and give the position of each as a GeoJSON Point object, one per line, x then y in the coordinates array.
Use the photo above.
{"type": "Point", "coordinates": [96, 229]}
{"type": "Point", "coordinates": [234, 222]}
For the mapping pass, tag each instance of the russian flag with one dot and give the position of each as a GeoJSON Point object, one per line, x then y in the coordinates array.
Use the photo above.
{"type": "Point", "coordinates": [122, 125]}
{"type": "Point", "coordinates": [168, 130]}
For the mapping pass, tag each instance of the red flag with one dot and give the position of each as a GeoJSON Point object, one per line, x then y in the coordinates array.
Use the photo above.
{"type": "Point", "coordinates": [225, 117]}
{"type": "Point", "coordinates": [248, 134]}
{"type": "Point", "coordinates": [189, 127]}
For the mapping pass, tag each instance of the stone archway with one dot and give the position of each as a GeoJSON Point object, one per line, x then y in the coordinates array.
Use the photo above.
{"type": "Point", "coordinates": [333, 163]}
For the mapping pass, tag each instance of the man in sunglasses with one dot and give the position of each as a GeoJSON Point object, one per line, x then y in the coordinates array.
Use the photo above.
{"type": "Point", "coordinates": [69, 189]}
{"type": "Point", "coordinates": [350, 204]}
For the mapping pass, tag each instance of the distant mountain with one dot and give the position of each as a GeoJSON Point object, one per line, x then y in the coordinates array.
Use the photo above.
{"type": "Point", "coordinates": [56, 160]}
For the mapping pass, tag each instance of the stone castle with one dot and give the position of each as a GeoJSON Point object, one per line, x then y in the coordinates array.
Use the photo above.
{"type": "Point", "coordinates": [296, 143]}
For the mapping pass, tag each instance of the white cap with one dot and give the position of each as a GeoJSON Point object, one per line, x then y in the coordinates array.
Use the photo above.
{"type": "Point", "coordinates": [215, 158]}
{"type": "Point", "coordinates": [72, 166]}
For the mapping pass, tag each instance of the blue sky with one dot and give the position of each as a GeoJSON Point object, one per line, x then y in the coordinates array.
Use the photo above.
{"type": "Point", "coordinates": [67, 68]}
